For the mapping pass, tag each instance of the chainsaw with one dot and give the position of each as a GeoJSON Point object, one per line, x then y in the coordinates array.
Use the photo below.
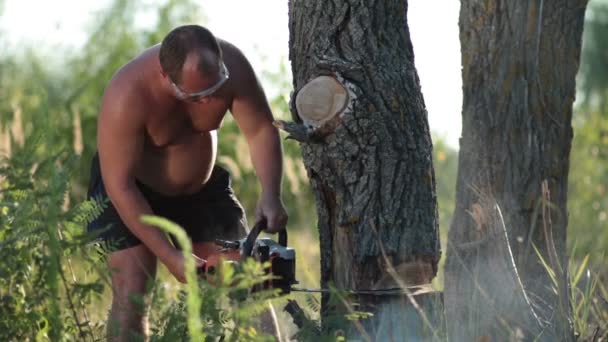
{"type": "Point", "coordinates": [282, 258]}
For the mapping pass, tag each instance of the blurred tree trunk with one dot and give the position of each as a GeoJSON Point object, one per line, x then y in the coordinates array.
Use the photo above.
{"type": "Point", "coordinates": [519, 61]}
{"type": "Point", "coordinates": [366, 144]}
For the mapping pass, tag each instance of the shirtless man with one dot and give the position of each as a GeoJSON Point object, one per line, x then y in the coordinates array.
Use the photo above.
{"type": "Point", "coordinates": [157, 145]}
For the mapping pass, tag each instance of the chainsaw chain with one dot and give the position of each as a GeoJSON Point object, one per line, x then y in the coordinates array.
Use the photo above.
{"type": "Point", "coordinates": [379, 292]}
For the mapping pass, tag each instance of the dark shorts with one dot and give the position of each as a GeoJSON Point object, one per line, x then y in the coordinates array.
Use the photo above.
{"type": "Point", "coordinates": [212, 213]}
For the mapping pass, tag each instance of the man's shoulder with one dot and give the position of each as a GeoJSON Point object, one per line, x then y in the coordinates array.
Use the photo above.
{"type": "Point", "coordinates": [123, 92]}
{"type": "Point", "coordinates": [232, 55]}
{"type": "Point", "coordinates": [242, 75]}
{"type": "Point", "coordinates": [227, 47]}
{"type": "Point", "coordinates": [123, 99]}
{"type": "Point", "coordinates": [127, 83]}
{"type": "Point", "coordinates": [127, 86]}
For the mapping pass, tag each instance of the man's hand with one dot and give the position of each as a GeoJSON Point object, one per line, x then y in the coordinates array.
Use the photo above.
{"type": "Point", "coordinates": [175, 265]}
{"type": "Point", "coordinates": [271, 208]}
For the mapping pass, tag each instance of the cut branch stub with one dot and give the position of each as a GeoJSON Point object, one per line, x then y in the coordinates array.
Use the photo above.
{"type": "Point", "coordinates": [320, 100]}
{"type": "Point", "coordinates": [318, 104]}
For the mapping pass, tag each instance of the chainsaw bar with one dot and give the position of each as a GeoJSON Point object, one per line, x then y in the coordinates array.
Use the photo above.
{"type": "Point", "coordinates": [394, 291]}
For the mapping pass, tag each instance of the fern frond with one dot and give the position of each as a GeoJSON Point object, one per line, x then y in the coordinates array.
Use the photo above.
{"type": "Point", "coordinates": [89, 210]}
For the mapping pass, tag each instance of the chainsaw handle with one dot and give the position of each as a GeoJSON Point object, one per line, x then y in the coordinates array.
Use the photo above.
{"type": "Point", "coordinates": [253, 235]}
{"type": "Point", "coordinates": [283, 237]}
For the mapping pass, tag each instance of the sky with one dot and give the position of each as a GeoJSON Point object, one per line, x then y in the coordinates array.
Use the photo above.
{"type": "Point", "coordinates": [259, 28]}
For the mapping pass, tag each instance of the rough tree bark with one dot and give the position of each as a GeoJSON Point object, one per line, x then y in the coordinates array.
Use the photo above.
{"type": "Point", "coordinates": [519, 61]}
{"type": "Point", "coordinates": [359, 113]}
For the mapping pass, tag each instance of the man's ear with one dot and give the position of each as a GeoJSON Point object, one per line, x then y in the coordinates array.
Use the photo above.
{"type": "Point", "coordinates": [162, 72]}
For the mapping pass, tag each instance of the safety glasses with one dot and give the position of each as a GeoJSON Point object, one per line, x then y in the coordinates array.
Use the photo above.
{"type": "Point", "coordinates": [199, 95]}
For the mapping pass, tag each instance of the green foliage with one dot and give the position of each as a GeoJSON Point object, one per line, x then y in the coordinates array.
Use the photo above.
{"type": "Point", "coordinates": [445, 161]}
{"type": "Point", "coordinates": [37, 236]}
{"type": "Point", "coordinates": [588, 203]}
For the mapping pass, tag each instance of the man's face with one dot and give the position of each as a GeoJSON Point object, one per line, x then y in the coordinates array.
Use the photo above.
{"type": "Point", "coordinates": [195, 87]}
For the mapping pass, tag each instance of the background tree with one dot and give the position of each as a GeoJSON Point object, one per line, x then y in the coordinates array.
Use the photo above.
{"type": "Point", "coordinates": [513, 167]}
{"type": "Point", "coordinates": [365, 142]}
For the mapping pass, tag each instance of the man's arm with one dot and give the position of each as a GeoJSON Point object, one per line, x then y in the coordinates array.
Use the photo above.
{"type": "Point", "coordinates": [120, 139]}
{"type": "Point", "coordinates": [253, 116]}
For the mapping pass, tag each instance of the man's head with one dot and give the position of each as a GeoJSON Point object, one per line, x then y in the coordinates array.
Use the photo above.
{"type": "Point", "coordinates": [191, 59]}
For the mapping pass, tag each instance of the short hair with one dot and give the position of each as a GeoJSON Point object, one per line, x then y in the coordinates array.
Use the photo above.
{"type": "Point", "coordinates": [182, 40]}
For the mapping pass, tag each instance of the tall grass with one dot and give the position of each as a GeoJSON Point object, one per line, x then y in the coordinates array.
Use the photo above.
{"type": "Point", "coordinates": [589, 299]}
{"type": "Point", "coordinates": [587, 296]}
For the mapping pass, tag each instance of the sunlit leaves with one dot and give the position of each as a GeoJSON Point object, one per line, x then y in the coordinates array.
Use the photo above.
{"type": "Point", "coordinates": [587, 200]}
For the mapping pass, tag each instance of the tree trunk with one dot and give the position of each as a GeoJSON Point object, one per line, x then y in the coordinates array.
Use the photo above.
{"type": "Point", "coordinates": [519, 61]}
{"type": "Point", "coordinates": [362, 123]}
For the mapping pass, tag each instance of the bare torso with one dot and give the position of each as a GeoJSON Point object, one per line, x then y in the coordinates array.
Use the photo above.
{"type": "Point", "coordinates": [180, 139]}
{"type": "Point", "coordinates": [177, 156]}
